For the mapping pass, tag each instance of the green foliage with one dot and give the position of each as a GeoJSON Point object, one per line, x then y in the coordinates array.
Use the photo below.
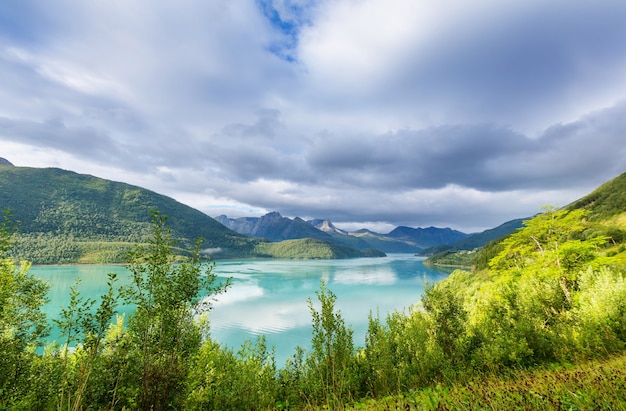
{"type": "Point", "coordinates": [85, 329]}
{"type": "Point", "coordinates": [224, 380]}
{"type": "Point", "coordinates": [162, 328]}
{"type": "Point", "coordinates": [601, 312]}
{"type": "Point", "coordinates": [448, 319]}
{"type": "Point", "coordinates": [309, 248]}
{"type": "Point", "coordinates": [598, 385]}
{"type": "Point", "coordinates": [64, 217]}
{"type": "Point", "coordinates": [22, 321]}
{"type": "Point", "coordinates": [452, 258]}
{"type": "Point", "coordinates": [331, 359]}
{"type": "Point", "coordinates": [551, 295]}
{"type": "Point", "coordinates": [400, 354]}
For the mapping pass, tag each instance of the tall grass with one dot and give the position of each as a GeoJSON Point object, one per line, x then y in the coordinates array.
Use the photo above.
{"type": "Point", "coordinates": [596, 385]}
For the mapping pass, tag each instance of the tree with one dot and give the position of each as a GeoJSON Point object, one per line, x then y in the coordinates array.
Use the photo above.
{"type": "Point", "coordinates": [329, 364]}
{"type": "Point", "coordinates": [22, 322]}
{"type": "Point", "coordinates": [546, 247]}
{"type": "Point", "coordinates": [168, 292]}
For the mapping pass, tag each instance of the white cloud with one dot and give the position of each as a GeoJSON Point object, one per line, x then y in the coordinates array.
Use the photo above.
{"type": "Point", "coordinates": [394, 112]}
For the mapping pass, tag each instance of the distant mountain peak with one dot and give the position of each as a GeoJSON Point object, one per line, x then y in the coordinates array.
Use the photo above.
{"type": "Point", "coordinates": [5, 162]}
{"type": "Point", "coordinates": [326, 226]}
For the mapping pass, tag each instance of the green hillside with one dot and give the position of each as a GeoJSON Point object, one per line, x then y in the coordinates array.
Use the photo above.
{"type": "Point", "coordinates": [605, 202]}
{"type": "Point", "coordinates": [604, 216]}
{"type": "Point", "coordinates": [63, 217]}
{"type": "Point", "coordinates": [312, 248]}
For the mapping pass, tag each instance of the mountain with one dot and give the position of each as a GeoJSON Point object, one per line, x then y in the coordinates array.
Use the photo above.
{"type": "Point", "coordinates": [480, 239]}
{"type": "Point", "coordinates": [427, 237]}
{"type": "Point", "coordinates": [477, 240]}
{"type": "Point", "coordinates": [274, 227]}
{"type": "Point", "coordinates": [386, 243]}
{"type": "Point", "coordinates": [5, 162]}
{"type": "Point", "coordinates": [345, 238]}
{"type": "Point", "coordinates": [66, 217]}
{"type": "Point", "coordinates": [63, 217]}
{"type": "Point", "coordinates": [326, 226]}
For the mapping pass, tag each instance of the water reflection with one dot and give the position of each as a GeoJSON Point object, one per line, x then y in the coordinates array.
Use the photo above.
{"type": "Point", "coordinates": [269, 297]}
{"type": "Point", "coordinates": [237, 293]}
{"type": "Point", "coordinates": [379, 276]}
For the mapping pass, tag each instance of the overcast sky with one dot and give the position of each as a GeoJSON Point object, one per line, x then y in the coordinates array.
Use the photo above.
{"type": "Point", "coordinates": [371, 113]}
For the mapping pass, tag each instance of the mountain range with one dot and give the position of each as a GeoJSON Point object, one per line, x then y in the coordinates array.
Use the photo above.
{"type": "Point", "coordinates": [66, 217]}
{"type": "Point", "coordinates": [63, 217]}
{"type": "Point", "coordinates": [275, 227]}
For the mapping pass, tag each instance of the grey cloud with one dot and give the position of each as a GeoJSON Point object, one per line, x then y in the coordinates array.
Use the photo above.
{"type": "Point", "coordinates": [516, 67]}
{"type": "Point", "coordinates": [483, 157]}
{"type": "Point", "coordinates": [55, 135]}
{"type": "Point", "coordinates": [430, 158]}
{"type": "Point", "coordinates": [95, 145]}
{"type": "Point", "coordinates": [261, 150]}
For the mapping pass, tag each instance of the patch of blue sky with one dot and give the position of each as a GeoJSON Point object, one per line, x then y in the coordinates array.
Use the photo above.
{"type": "Point", "coordinates": [286, 17]}
{"type": "Point", "coordinates": [22, 23]}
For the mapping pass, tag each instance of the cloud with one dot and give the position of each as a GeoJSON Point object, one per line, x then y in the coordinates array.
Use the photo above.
{"type": "Point", "coordinates": [387, 112]}
{"type": "Point", "coordinates": [483, 156]}
{"type": "Point", "coordinates": [526, 64]}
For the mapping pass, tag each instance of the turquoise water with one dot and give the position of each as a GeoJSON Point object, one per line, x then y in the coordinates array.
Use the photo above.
{"type": "Point", "coordinates": [269, 297]}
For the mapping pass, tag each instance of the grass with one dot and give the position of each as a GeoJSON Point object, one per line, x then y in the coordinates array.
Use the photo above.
{"type": "Point", "coordinates": [595, 385]}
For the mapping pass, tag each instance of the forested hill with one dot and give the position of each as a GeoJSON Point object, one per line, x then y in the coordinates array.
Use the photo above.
{"type": "Point", "coordinates": [64, 218]}
{"type": "Point", "coordinates": [605, 202]}
{"type": "Point", "coordinates": [67, 217]}
{"type": "Point", "coordinates": [604, 211]}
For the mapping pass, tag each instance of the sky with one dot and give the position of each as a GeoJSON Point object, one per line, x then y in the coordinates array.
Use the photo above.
{"type": "Point", "coordinates": [370, 113]}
